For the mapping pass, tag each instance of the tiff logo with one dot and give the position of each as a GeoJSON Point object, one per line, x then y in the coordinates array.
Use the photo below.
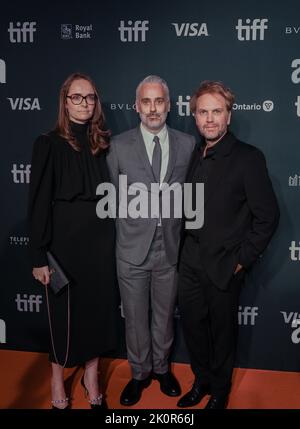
{"type": "Point", "coordinates": [194, 29]}
{"type": "Point", "coordinates": [21, 174]}
{"type": "Point", "coordinates": [2, 71]}
{"type": "Point", "coordinates": [183, 106]}
{"type": "Point", "coordinates": [294, 180]}
{"type": "Point", "coordinates": [247, 315]}
{"type": "Point", "coordinates": [249, 32]}
{"type": "Point", "coordinates": [134, 32]}
{"type": "Point", "coordinates": [295, 76]}
{"type": "Point", "coordinates": [20, 32]}
{"type": "Point", "coordinates": [31, 304]}
{"type": "Point", "coordinates": [24, 103]}
{"type": "Point", "coordinates": [295, 251]}
{"type": "Point", "coordinates": [2, 332]}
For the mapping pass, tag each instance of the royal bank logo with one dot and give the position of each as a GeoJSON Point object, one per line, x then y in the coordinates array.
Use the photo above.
{"type": "Point", "coordinates": [2, 332]}
{"type": "Point", "coordinates": [21, 173]}
{"type": "Point", "coordinates": [21, 103]}
{"type": "Point", "coordinates": [266, 106]}
{"type": "Point", "coordinates": [76, 31]}
{"type": "Point", "coordinates": [187, 29]}
{"type": "Point", "coordinates": [28, 303]}
{"type": "Point", "coordinates": [247, 315]}
{"type": "Point", "coordinates": [16, 240]}
{"type": "Point", "coordinates": [66, 31]}
{"type": "Point", "coordinates": [21, 32]}
{"type": "Point", "coordinates": [251, 30]}
{"type": "Point", "coordinates": [295, 251]}
{"type": "Point", "coordinates": [133, 31]}
{"type": "Point", "coordinates": [294, 180]}
{"type": "Point", "coordinates": [183, 104]}
{"type": "Point", "coordinates": [122, 106]}
{"type": "Point", "coordinates": [292, 319]}
{"type": "Point", "coordinates": [2, 71]}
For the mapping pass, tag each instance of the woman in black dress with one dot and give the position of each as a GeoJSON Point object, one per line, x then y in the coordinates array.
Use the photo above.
{"type": "Point", "coordinates": [67, 166]}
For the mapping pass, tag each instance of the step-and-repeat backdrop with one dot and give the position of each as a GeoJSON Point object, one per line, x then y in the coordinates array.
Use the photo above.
{"type": "Point", "coordinates": [253, 46]}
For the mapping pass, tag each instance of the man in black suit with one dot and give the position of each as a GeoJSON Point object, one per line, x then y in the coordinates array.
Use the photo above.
{"type": "Point", "coordinates": [240, 216]}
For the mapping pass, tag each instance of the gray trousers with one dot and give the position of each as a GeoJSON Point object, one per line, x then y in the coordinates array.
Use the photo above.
{"type": "Point", "coordinates": [148, 293]}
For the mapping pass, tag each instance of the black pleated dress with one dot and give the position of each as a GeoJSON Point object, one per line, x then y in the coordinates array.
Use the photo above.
{"type": "Point", "coordinates": [62, 218]}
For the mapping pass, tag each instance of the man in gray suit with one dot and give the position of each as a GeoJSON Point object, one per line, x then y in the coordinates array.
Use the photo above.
{"type": "Point", "coordinates": [150, 158]}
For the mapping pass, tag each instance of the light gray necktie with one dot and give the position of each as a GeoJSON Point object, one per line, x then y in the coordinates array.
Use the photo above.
{"type": "Point", "coordinates": [156, 159]}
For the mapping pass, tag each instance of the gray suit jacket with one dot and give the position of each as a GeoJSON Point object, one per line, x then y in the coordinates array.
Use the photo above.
{"type": "Point", "coordinates": [128, 156]}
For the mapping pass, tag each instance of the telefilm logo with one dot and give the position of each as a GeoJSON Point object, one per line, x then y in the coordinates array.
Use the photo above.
{"type": "Point", "coordinates": [133, 31]}
{"type": "Point", "coordinates": [31, 303]}
{"type": "Point", "coordinates": [79, 31]}
{"type": "Point", "coordinates": [295, 251]}
{"type": "Point", "coordinates": [21, 32]}
{"type": "Point", "coordinates": [294, 180]}
{"type": "Point", "coordinates": [266, 106]}
{"type": "Point", "coordinates": [251, 30]}
{"type": "Point", "coordinates": [247, 315]}
{"type": "Point", "coordinates": [183, 104]}
{"type": "Point", "coordinates": [2, 332]}
{"type": "Point", "coordinates": [293, 319]}
{"type": "Point", "coordinates": [16, 240]}
{"type": "Point", "coordinates": [187, 29]}
{"type": "Point", "coordinates": [21, 103]}
{"type": "Point", "coordinates": [2, 71]}
{"type": "Point", "coordinates": [21, 174]}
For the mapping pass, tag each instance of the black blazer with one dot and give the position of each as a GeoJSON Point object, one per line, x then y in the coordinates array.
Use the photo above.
{"type": "Point", "coordinates": [240, 209]}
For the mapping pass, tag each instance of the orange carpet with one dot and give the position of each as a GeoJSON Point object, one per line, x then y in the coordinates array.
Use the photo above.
{"type": "Point", "coordinates": [25, 385]}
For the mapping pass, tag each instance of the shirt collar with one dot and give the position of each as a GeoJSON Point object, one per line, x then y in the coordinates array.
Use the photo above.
{"type": "Point", "coordinates": [148, 137]}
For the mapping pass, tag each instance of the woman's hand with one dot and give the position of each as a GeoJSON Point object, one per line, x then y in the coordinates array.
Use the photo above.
{"type": "Point", "coordinates": [42, 274]}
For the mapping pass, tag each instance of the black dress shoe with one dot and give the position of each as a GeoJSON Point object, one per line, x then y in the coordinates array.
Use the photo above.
{"type": "Point", "coordinates": [168, 383]}
{"type": "Point", "coordinates": [133, 391]}
{"type": "Point", "coordinates": [217, 402]}
{"type": "Point", "coordinates": [194, 396]}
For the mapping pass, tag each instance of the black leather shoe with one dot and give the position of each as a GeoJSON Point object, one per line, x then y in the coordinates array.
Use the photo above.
{"type": "Point", "coordinates": [133, 391]}
{"type": "Point", "coordinates": [168, 383]}
{"type": "Point", "coordinates": [217, 402]}
{"type": "Point", "coordinates": [194, 396]}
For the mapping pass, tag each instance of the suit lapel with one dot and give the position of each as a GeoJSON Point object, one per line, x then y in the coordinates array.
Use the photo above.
{"type": "Point", "coordinates": [142, 153]}
{"type": "Point", "coordinates": [173, 148]}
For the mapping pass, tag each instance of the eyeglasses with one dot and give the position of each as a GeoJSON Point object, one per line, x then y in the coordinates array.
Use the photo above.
{"type": "Point", "coordinates": [78, 98]}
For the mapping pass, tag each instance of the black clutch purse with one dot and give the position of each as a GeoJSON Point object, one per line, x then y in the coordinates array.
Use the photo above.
{"type": "Point", "coordinates": [58, 279]}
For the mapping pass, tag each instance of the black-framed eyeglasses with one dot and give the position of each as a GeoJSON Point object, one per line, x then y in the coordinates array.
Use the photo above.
{"type": "Point", "coordinates": [78, 98]}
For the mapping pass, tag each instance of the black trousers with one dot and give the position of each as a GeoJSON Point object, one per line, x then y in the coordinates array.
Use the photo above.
{"type": "Point", "coordinates": [209, 320]}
